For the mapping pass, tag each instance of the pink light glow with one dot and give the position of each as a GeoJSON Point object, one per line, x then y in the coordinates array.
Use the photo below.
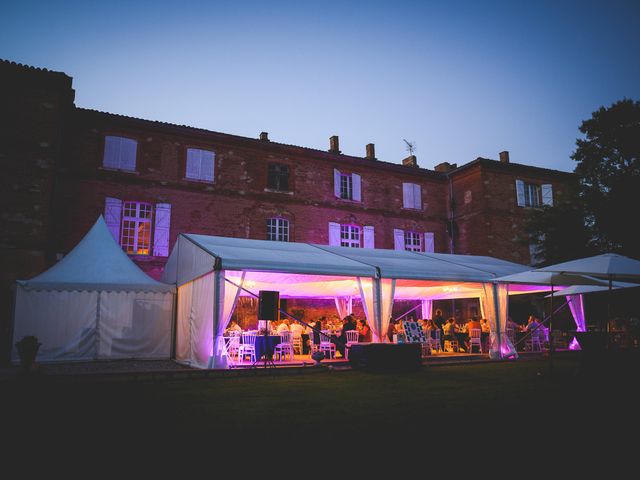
{"type": "Point", "coordinates": [574, 345]}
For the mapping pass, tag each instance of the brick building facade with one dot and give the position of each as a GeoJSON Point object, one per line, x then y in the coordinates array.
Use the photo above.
{"type": "Point", "coordinates": [65, 165]}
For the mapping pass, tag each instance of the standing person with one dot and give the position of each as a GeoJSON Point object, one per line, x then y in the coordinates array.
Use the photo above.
{"type": "Point", "coordinates": [439, 319]}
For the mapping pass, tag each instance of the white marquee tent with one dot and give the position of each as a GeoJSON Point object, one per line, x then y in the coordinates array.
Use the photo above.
{"type": "Point", "coordinates": [208, 272]}
{"type": "Point", "coordinates": [95, 303]}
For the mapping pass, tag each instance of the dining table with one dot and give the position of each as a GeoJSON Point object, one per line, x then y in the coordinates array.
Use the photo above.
{"type": "Point", "coordinates": [266, 344]}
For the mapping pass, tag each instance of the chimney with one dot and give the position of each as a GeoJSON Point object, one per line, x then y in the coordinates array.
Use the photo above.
{"type": "Point", "coordinates": [445, 167]}
{"type": "Point", "coordinates": [264, 136]}
{"type": "Point", "coordinates": [410, 161]}
{"type": "Point", "coordinates": [334, 144]}
{"type": "Point", "coordinates": [504, 157]}
{"type": "Point", "coordinates": [371, 151]}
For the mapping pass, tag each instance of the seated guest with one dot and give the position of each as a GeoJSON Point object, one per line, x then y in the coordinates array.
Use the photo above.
{"type": "Point", "coordinates": [532, 323]}
{"type": "Point", "coordinates": [486, 330]}
{"type": "Point", "coordinates": [296, 329]}
{"type": "Point", "coordinates": [449, 329]}
{"type": "Point", "coordinates": [233, 328]}
{"type": "Point", "coordinates": [391, 331]}
{"type": "Point", "coordinates": [365, 331]}
{"type": "Point", "coordinates": [431, 327]}
{"type": "Point", "coordinates": [283, 326]}
{"type": "Point", "coordinates": [473, 323]}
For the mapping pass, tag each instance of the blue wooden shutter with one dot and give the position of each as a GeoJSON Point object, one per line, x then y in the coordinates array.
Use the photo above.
{"type": "Point", "coordinates": [112, 216]}
{"type": "Point", "coordinates": [162, 230]}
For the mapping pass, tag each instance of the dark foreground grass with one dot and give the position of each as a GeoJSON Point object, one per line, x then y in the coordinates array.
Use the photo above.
{"type": "Point", "coordinates": [484, 397]}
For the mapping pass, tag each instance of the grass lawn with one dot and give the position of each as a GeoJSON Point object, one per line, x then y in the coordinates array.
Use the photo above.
{"type": "Point", "coordinates": [517, 394]}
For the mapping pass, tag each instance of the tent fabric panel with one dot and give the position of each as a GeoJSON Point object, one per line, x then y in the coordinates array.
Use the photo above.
{"type": "Point", "coordinates": [194, 325]}
{"type": "Point", "coordinates": [63, 322]}
{"type": "Point", "coordinates": [135, 325]}
{"type": "Point", "coordinates": [263, 255]}
{"type": "Point", "coordinates": [187, 262]}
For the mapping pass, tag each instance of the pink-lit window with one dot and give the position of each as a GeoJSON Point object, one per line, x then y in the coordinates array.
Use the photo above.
{"type": "Point", "coordinates": [412, 241]}
{"type": "Point", "coordinates": [278, 229]}
{"type": "Point", "coordinates": [350, 236]}
{"type": "Point", "coordinates": [135, 237]}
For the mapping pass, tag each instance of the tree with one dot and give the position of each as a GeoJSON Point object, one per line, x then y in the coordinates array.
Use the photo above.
{"type": "Point", "coordinates": [601, 214]}
{"type": "Point", "coordinates": [609, 174]}
{"type": "Point", "coordinates": [560, 231]}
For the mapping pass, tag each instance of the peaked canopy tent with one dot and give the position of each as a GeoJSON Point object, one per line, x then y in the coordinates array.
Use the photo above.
{"type": "Point", "coordinates": [212, 272]}
{"type": "Point", "coordinates": [95, 303]}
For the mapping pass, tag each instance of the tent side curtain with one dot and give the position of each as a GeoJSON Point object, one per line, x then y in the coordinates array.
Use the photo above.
{"type": "Point", "coordinates": [194, 325]}
{"type": "Point", "coordinates": [495, 305]}
{"type": "Point", "coordinates": [88, 325]}
{"type": "Point", "coordinates": [228, 292]}
{"type": "Point", "coordinates": [135, 325]}
{"type": "Point", "coordinates": [63, 322]}
{"type": "Point", "coordinates": [344, 305]}
{"type": "Point", "coordinates": [377, 299]}
{"type": "Point", "coordinates": [202, 320]}
{"type": "Point", "coordinates": [576, 305]}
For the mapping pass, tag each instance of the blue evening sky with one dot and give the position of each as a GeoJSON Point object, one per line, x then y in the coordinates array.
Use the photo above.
{"type": "Point", "coordinates": [461, 79]}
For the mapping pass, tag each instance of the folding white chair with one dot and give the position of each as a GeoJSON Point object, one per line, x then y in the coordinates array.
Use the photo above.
{"type": "Point", "coordinates": [247, 347]}
{"type": "Point", "coordinates": [475, 339]}
{"type": "Point", "coordinates": [284, 349]}
{"type": "Point", "coordinates": [296, 341]}
{"type": "Point", "coordinates": [326, 345]}
{"type": "Point", "coordinates": [352, 337]}
{"type": "Point", "coordinates": [434, 343]}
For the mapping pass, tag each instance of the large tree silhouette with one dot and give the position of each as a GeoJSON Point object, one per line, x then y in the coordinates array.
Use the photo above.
{"type": "Point", "coordinates": [602, 215]}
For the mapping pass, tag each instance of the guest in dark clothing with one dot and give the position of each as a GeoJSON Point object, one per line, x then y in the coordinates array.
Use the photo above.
{"type": "Point", "coordinates": [439, 319]}
{"type": "Point", "coordinates": [314, 337]}
{"type": "Point", "coordinates": [348, 324]}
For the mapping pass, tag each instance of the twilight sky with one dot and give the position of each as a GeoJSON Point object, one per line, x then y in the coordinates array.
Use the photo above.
{"type": "Point", "coordinates": [461, 79]}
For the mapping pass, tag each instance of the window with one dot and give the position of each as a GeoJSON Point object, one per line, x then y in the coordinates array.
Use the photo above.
{"type": "Point", "coordinates": [350, 236]}
{"type": "Point", "coordinates": [412, 241]}
{"type": "Point", "coordinates": [411, 196]}
{"type": "Point", "coordinates": [120, 153]}
{"type": "Point", "coordinates": [135, 236]}
{"type": "Point", "coordinates": [278, 177]}
{"type": "Point", "coordinates": [278, 229]}
{"type": "Point", "coordinates": [200, 164]}
{"type": "Point", "coordinates": [346, 186]}
{"type": "Point", "coordinates": [533, 195]}
{"type": "Point", "coordinates": [130, 226]}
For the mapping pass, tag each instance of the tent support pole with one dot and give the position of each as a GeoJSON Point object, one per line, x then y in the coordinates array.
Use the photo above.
{"type": "Point", "coordinates": [97, 326]}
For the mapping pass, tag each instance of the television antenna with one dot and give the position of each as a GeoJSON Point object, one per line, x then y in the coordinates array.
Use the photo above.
{"type": "Point", "coordinates": [411, 146]}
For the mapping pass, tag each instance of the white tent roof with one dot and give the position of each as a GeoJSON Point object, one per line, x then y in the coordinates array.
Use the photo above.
{"type": "Point", "coordinates": [536, 277]}
{"type": "Point", "coordinates": [96, 263]}
{"type": "Point", "coordinates": [196, 255]}
{"type": "Point", "coordinates": [581, 289]}
{"type": "Point", "coordinates": [608, 265]}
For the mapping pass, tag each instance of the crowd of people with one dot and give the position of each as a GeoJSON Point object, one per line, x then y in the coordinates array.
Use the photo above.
{"type": "Point", "coordinates": [336, 330]}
